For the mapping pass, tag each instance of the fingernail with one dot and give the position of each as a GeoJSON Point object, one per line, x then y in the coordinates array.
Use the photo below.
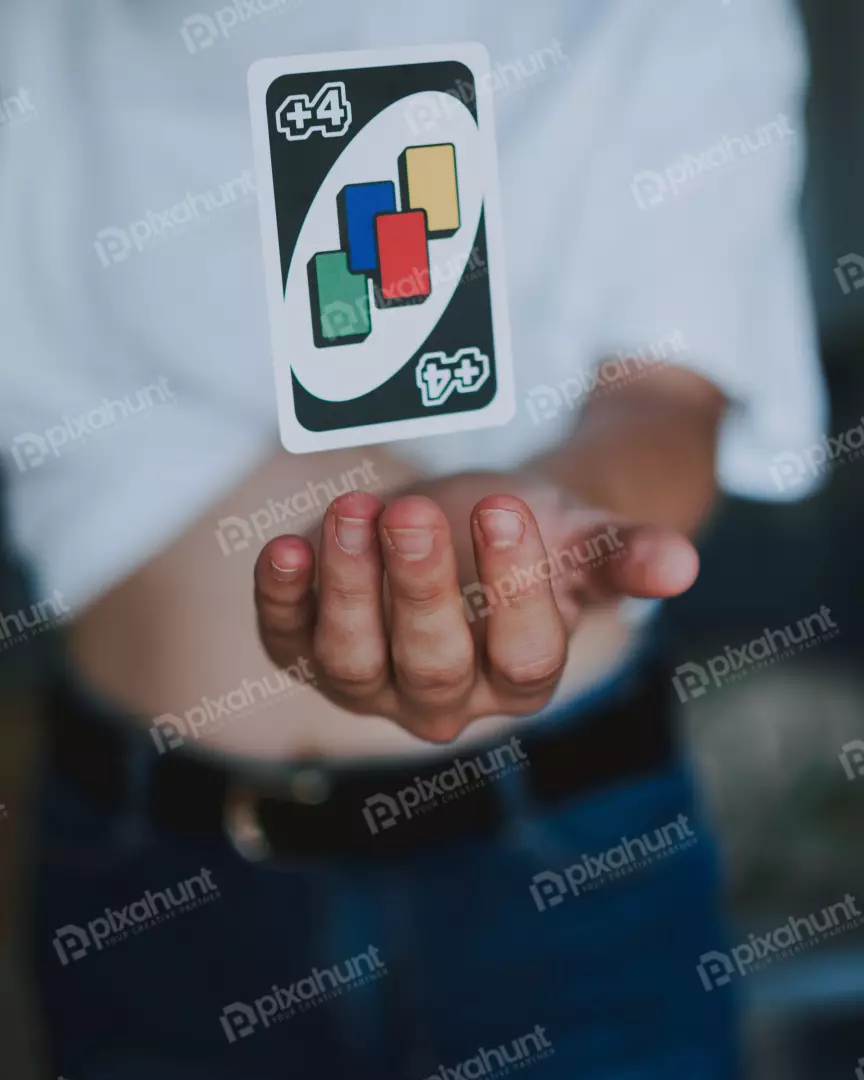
{"type": "Point", "coordinates": [284, 573]}
{"type": "Point", "coordinates": [353, 535]}
{"type": "Point", "coordinates": [411, 543]}
{"type": "Point", "coordinates": [501, 528]}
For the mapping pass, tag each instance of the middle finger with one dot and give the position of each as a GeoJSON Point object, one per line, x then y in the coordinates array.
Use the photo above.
{"type": "Point", "coordinates": [350, 639]}
{"type": "Point", "coordinates": [431, 645]}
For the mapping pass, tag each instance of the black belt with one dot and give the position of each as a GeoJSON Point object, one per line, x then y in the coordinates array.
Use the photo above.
{"type": "Point", "coordinates": [368, 807]}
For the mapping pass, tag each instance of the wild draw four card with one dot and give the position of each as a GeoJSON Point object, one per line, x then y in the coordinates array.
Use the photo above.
{"type": "Point", "coordinates": [380, 222]}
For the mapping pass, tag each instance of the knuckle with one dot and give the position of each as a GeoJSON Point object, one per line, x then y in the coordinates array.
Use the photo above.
{"type": "Point", "coordinates": [357, 686]}
{"type": "Point", "coordinates": [280, 618]}
{"type": "Point", "coordinates": [525, 595]}
{"type": "Point", "coordinates": [424, 595]}
{"type": "Point", "coordinates": [431, 679]}
{"type": "Point", "coordinates": [357, 673]}
{"type": "Point", "coordinates": [441, 666]}
{"type": "Point", "coordinates": [281, 625]}
{"type": "Point", "coordinates": [348, 595]}
{"type": "Point", "coordinates": [532, 677]}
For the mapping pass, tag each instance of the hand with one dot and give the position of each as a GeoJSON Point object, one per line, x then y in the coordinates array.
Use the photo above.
{"type": "Point", "coordinates": [385, 629]}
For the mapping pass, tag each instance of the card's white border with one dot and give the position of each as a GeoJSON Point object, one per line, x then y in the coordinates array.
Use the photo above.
{"type": "Point", "coordinates": [295, 438]}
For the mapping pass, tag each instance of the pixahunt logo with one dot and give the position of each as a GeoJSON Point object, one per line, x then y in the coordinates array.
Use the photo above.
{"type": "Point", "coordinates": [693, 680]}
{"type": "Point", "coordinates": [545, 402]}
{"type": "Point", "coordinates": [338, 317]}
{"type": "Point", "coordinates": [297, 510]}
{"type": "Point", "coordinates": [31, 448]}
{"type": "Point", "coordinates": [650, 188]}
{"type": "Point", "coordinates": [202, 31]}
{"type": "Point", "coordinates": [458, 779]}
{"type": "Point", "coordinates": [21, 626]}
{"type": "Point", "coordinates": [852, 759]}
{"type": "Point", "coordinates": [795, 936]}
{"type": "Point", "coordinates": [72, 942]}
{"type": "Point", "coordinates": [17, 109]}
{"type": "Point", "coordinates": [550, 888]}
{"type": "Point", "coordinates": [115, 244]}
{"type": "Point", "coordinates": [479, 599]}
{"type": "Point", "coordinates": [790, 469]}
{"type": "Point", "coordinates": [426, 112]}
{"type": "Point", "coordinates": [212, 714]}
{"type": "Point", "coordinates": [239, 1020]}
{"type": "Point", "coordinates": [502, 1060]}
{"type": "Point", "coordinates": [849, 271]}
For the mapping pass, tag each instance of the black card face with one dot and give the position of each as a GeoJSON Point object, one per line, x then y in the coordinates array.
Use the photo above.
{"type": "Point", "coordinates": [379, 210]}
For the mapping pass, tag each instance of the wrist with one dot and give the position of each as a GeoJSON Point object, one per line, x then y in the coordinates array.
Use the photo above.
{"type": "Point", "coordinates": [646, 453]}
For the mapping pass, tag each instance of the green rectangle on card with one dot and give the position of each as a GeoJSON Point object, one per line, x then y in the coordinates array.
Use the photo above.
{"type": "Point", "coordinates": [340, 300]}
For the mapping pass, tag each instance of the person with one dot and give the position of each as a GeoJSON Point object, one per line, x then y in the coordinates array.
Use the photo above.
{"type": "Point", "coordinates": [334, 781]}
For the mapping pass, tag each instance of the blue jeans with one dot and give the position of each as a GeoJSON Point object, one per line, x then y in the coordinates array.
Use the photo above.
{"type": "Point", "coordinates": [443, 963]}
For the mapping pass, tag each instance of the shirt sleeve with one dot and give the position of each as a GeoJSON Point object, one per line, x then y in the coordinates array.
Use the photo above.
{"type": "Point", "coordinates": [704, 265]}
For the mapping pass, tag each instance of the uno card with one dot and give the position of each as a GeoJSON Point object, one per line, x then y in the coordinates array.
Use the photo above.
{"type": "Point", "coordinates": [378, 191]}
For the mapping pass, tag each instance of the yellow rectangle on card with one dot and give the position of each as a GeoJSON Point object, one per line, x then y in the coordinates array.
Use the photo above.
{"type": "Point", "coordinates": [428, 181]}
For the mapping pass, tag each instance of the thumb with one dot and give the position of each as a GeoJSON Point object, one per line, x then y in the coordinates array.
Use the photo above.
{"type": "Point", "coordinates": [649, 561]}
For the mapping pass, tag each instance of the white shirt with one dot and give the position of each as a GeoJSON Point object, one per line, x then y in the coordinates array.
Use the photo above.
{"type": "Point", "coordinates": [650, 158]}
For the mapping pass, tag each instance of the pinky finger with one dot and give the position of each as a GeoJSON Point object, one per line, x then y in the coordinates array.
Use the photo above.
{"type": "Point", "coordinates": [285, 599]}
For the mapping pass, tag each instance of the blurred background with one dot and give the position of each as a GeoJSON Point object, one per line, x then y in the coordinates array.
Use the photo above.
{"type": "Point", "coordinates": [768, 746]}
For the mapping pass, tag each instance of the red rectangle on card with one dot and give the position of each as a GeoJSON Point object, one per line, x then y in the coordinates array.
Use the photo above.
{"type": "Point", "coordinates": [403, 256]}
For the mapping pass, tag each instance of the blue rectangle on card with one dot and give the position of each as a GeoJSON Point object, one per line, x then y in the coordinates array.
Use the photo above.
{"type": "Point", "coordinates": [357, 206]}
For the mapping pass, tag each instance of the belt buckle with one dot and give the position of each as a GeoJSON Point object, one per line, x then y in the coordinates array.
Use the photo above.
{"type": "Point", "coordinates": [309, 785]}
{"type": "Point", "coordinates": [241, 823]}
